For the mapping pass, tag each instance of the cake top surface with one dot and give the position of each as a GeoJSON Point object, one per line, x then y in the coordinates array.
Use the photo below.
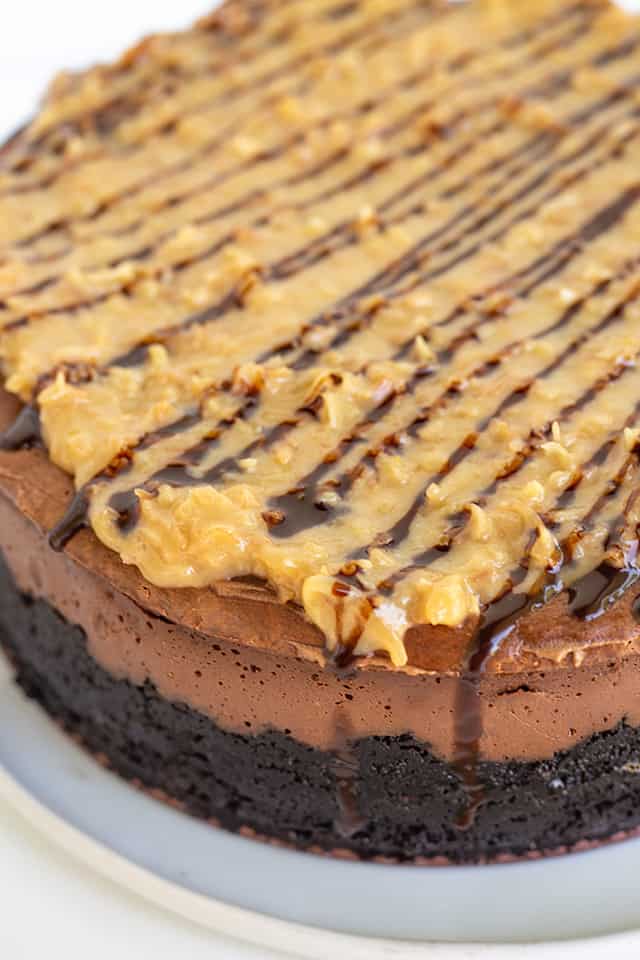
{"type": "Point", "coordinates": [345, 296]}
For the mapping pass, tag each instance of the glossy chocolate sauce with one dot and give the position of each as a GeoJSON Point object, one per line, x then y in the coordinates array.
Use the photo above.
{"type": "Point", "coordinates": [25, 430]}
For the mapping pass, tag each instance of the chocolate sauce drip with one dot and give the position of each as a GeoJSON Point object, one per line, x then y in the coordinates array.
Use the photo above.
{"type": "Point", "coordinates": [346, 762]}
{"type": "Point", "coordinates": [181, 425]}
{"type": "Point", "coordinates": [342, 656]}
{"type": "Point", "coordinates": [597, 459]}
{"type": "Point", "coordinates": [74, 373]}
{"type": "Point", "coordinates": [175, 474]}
{"type": "Point", "coordinates": [138, 354]}
{"type": "Point", "coordinates": [25, 431]}
{"type": "Point", "coordinates": [302, 507]}
{"type": "Point", "coordinates": [496, 624]}
{"type": "Point", "coordinates": [135, 357]}
{"type": "Point", "coordinates": [127, 507]}
{"type": "Point", "coordinates": [588, 598]}
{"type": "Point", "coordinates": [75, 518]}
{"type": "Point", "coordinates": [342, 10]}
{"type": "Point", "coordinates": [232, 464]}
{"type": "Point", "coordinates": [593, 595]}
{"type": "Point", "coordinates": [345, 767]}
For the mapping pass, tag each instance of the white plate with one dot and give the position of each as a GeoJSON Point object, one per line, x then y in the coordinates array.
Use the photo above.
{"type": "Point", "coordinates": [281, 898]}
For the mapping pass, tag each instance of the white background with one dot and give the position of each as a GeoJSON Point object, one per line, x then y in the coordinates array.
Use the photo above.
{"type": "Point", "coordinates": [51, 906]}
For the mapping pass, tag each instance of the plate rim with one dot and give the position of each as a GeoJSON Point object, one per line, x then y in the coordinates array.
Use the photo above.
{"type": "Point", "coordinates": [256, 928]}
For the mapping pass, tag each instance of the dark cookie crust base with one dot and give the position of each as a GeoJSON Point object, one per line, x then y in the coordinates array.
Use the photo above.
{"type": "Point", "coordinates": [384, 797]}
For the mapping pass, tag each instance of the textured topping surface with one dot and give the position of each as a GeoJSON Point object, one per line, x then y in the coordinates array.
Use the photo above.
{"type": "Point", "coordinates": [345, 296]}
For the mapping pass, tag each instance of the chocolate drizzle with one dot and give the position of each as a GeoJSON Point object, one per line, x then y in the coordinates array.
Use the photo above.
{"type": "Point", "coordinates": [73, 521]}
{"type": "Point", "coordinates": [374, 41]}
{"type": "Point", "coordinates": [587, 599]}
{"type": "Point", "coordinates": [127, 508]}
{"type": "Point", "coordinates": [345, 767]}
{"type": "Point", "coordinates": [109, 114]}
{"type": "Point", "coordinates": [496, 624]}
{"type": "Point", "coordinates": [595, 593]}
{"type": "Point", "coordinates": [25, 431]}
{"type": "Point", "coordinates": [343, 235]}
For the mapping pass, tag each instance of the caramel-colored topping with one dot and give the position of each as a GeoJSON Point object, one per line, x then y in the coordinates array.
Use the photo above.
{"type": "Point", "coordinates": [346, 297]}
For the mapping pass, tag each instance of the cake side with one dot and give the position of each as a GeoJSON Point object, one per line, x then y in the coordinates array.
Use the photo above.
{"type": "Point", "coordinates": [381, 796]}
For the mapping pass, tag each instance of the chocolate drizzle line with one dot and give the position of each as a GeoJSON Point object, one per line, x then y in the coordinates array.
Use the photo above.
{"type": "Point", "coordinates": [24, 431]}
{"type": "Point", "coordinates": [74, 520]}
{"type": "Point", "coordinates": [127, 503]}
{"type": "Point", "coordinates": [497, 622]}
{"type": "Point", "coordinates": [563, 252]}
{"type": "Point", "coordinates": [287, 267]}
{"type": "Point", "coordinates": [205, 151]}
{"type": "Point", "coordinates": [103, 117]}
{"type": "Point", "coordinates": [343, 233]}
{"type": "Point", "coordinates": [345, 767]}
{"type": "Point", "coordinates": [582, 27]}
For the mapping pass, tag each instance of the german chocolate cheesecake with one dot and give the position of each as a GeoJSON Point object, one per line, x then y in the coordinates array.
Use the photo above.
{"type": "Point", "coordinates": [320, 471]}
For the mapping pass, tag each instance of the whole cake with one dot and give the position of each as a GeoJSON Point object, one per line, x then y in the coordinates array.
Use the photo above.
{"type": "Point", "coordinates": [319, 485]}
